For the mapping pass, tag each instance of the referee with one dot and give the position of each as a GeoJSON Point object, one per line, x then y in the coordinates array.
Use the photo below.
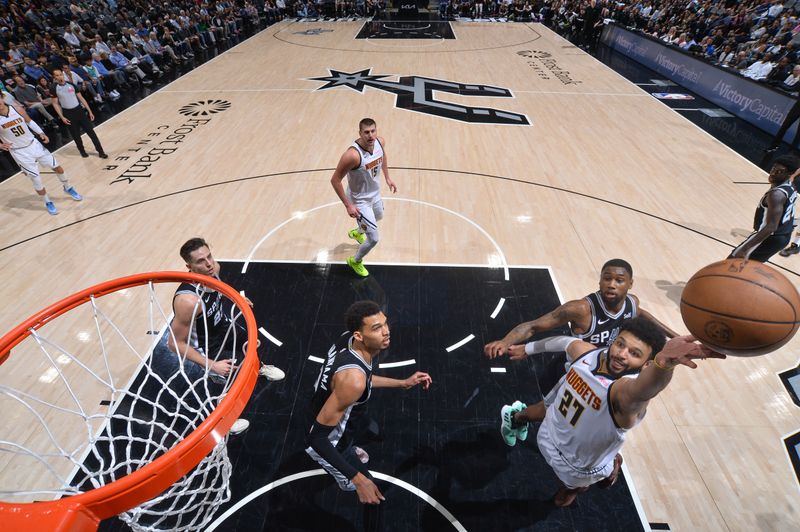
{"type": "Point", "coordinates": [73, 109]}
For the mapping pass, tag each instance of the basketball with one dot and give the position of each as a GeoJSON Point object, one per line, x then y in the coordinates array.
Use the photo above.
{"type": "Point", "coordinates": [741, 308]}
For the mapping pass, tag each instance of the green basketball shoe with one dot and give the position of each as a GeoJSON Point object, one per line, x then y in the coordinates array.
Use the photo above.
{"type": "Point", "coordinates": [358, 266]}
{"type": "Point", "coordinates": [357, 235]}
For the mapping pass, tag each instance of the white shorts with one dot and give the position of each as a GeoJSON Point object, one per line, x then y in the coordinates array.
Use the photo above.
{"type": "Point", "coordinates": [371, 212]}
{"type": "Point", "coordinates": [569, 475]}
{"type": "Point", "coordinates": [30, 157]}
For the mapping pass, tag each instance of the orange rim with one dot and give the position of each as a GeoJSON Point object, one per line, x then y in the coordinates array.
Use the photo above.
{"type": "Point", "coordinates": [86, 510]}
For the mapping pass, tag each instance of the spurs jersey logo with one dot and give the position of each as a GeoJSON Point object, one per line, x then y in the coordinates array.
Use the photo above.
{"type": "Point", "coordinates": [415, 93]}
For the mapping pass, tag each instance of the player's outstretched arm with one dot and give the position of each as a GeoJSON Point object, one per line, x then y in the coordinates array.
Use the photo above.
{"type": "Point", "coordinates": [574, 347]}
{"type": "Point", "coordinates": [419, 377]}
{"type": "Point", "coordinates": [346, 388]}
{"type": "Point", "coordinates": [571, 311]}
{"type": "Point", "coordinates": [629, 397]}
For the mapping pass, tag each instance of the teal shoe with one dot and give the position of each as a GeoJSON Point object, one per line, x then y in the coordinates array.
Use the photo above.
{"type": "Point", "coordinates": [506, 425]}
{"type": "Point", "coordinates": [521, 429]}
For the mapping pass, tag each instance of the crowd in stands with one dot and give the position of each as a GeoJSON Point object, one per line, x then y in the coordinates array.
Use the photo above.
{"type": "Point", "coordinates": [758, 38]}
{"type": "Point", "coordinates": [113, 51]}
{"type": "Point", "coordinates": [117, 51]}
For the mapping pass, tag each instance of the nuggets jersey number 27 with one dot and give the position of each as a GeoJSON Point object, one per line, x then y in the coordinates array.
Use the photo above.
{"type": "Point", "coordinates": [579, 420]}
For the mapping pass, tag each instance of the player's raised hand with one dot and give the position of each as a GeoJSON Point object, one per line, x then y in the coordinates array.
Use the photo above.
{"type": "Point", "coordinates": [683, 350]}
{"type": "Point", "coordinates": [419, 377]}
{"type": "Point", "coordinates": [495, 349]}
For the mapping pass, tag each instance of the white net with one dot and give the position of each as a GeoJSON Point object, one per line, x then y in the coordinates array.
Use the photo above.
{"type": "Point", "coordinates": [100, 392]}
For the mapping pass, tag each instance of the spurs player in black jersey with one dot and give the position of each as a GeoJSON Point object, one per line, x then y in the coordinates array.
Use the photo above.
{"type": "Point", "coordinates": [596, 318]}
{"type": "Point", "coordinates": [189, 305]}
{"type": "Point", "coordinates": [346, 380]}
{"type": "Point", "coordinates": [774, 218]}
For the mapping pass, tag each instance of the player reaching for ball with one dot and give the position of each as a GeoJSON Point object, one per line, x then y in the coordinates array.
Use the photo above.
{"type": "Point", "coordinates": [603, 395]}
{"type": "Point", "coordinates": [774, 218]}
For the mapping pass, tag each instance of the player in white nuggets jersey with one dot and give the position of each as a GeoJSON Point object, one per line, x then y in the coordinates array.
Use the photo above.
{"type": "Point", "coordinates": [17, 137]}
{"type": "Point", "coordinates": [603, 395]}
{"type": "Point", "coordinates": [362, 163]}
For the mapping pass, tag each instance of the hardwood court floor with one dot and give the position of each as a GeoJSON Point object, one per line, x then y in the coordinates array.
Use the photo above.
{"type": "Point", "coordinates": [603, 171]}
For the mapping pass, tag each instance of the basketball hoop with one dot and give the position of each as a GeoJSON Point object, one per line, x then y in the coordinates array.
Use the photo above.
{"type": "Point", "coordinates": [190, 451]}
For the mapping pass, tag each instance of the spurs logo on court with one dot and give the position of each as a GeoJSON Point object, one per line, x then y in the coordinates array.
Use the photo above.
{"type": "Point", "coordinates": [205, 107]}
{"type": "Point", "coordinates": [313, 31]}
{"type": "Point", "coordinates": [415, 93]}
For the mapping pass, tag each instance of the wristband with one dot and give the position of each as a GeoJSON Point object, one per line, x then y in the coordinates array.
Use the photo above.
{"type": "Point", "coordinates": [659, 366]}
{"type": "Point", "coordinates": [530, 348]}
{"type": "Point", "coordinates": [554, 344]}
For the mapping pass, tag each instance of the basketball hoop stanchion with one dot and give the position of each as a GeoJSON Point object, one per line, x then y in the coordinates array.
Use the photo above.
{"type": "Point", "coordinates": [84, 511]}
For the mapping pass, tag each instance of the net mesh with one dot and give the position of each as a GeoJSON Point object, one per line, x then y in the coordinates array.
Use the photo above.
{"type": "Point", "coordinates": [100, 392]}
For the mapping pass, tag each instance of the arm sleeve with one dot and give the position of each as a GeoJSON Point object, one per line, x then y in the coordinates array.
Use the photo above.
{"type": "Point", "coordinates": [554, 344]}
{"type": "Point", "coordinates": [318, 440]}
{"type": "Point", "coordinates": [35, 128]}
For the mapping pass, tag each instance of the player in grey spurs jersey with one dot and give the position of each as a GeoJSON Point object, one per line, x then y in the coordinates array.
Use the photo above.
{"type": "Point", "coordinates": [596, 318]}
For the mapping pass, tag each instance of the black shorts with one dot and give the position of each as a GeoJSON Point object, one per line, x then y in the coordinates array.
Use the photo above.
{"type": "Point", "coordinates": [768, 248]}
